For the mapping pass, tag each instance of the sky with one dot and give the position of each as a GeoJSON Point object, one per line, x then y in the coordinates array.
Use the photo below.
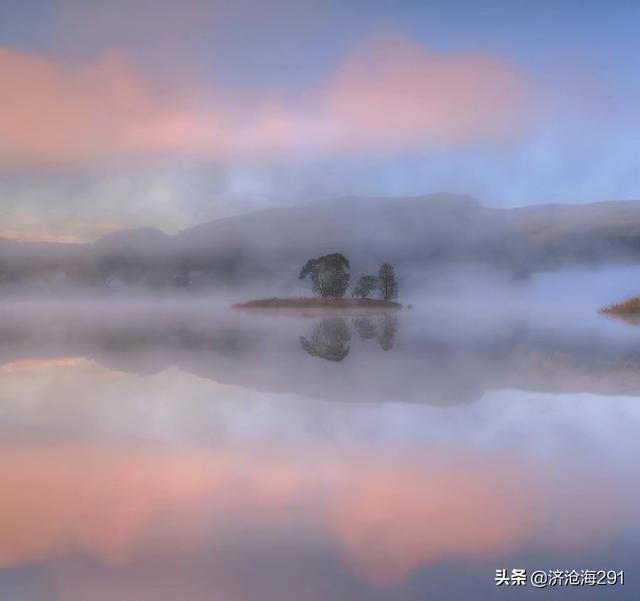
{"type": "Point", "coordinates": [169, 114]}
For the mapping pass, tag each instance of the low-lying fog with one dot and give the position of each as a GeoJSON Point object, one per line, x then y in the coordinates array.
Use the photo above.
{"type": "Point", "coordinates": [171, 447]}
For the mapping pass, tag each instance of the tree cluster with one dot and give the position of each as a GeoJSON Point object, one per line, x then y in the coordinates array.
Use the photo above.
{"type": "Point", "coordinates": [330, 277]}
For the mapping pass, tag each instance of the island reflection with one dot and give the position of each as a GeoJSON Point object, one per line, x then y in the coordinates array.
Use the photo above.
{"type": "Point", "coordinates": [432, 361]}
{"type": "Point", "coordinates": [330, 338]}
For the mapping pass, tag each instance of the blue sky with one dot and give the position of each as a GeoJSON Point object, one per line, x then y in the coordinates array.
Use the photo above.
{"type": "Point", "coordinates": [171, 113]}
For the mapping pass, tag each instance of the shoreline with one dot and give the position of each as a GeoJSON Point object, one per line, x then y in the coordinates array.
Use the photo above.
{"type": "Point", "coordinates": [314, 307]}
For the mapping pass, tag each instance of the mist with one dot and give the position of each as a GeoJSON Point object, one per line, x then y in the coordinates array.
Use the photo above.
{"type": "Point", "coordinates": [316, 301]}
{"type": "Point", "coordinates": [198, 430]}
{"type": "Point", "coordinates": [156, 426]}
{"type": "Point", "coordinates": [432, 241]}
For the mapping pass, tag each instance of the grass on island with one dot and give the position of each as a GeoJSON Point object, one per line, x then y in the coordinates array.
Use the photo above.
{"type": "Point", "coordinates": [629, 307]}
{"type": "Point", "coordinates": [318, 303]}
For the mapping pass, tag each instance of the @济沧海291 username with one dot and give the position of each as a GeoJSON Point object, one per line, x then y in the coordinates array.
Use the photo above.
{"type": "Point", "coordinates": [558, 578]}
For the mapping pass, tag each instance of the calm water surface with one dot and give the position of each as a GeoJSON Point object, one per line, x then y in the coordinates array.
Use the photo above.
{"type": "Point", "coordinates": [180, 451]}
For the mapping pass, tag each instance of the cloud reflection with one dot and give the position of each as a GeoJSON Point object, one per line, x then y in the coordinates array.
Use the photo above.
{"type": "Point", "coordinates": [385, 516]}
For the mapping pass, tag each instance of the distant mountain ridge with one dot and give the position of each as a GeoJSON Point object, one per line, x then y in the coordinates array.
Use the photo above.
{"type": "Point", "coordinates": [424, 231]}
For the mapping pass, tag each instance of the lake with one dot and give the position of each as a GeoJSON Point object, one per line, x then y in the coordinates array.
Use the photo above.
{"type": "Point", "coordinates": [178, 450]}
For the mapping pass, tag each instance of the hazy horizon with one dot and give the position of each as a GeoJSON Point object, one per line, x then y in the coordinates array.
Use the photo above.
{"type": "Point", "coordinates": [19, 236]}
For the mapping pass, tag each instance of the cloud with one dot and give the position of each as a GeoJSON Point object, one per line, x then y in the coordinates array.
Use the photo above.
{"type": "Point", "coordinates": [393, 91]}
{"type": "Point", "coordinates": [59, 114]}
{"type": "Point", "coordinates": [51, 113]}
{"type": "Point", "coordinates": [389, 94]}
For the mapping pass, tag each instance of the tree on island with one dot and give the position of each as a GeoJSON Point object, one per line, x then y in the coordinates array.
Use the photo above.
{"type": "Point", "coordinates": [387, 284]}
{"type": "Point", "coordinates": [366, 286]}
{"type": "Point", "coordinates": [329, 275]}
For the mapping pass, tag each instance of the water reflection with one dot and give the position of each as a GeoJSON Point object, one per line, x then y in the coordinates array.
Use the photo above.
{"type": "Point", "coordinates": [383, 327]}
{"type": "Point", "coordinates": [384, 516]}
{"type": "Point", "coordinates": [388, 334]}
{"type": "Point", "coordinates": [366, 327]}
{"type": "Point", "coordinates": [185, 455]}
{"type": "Point", "coordinates": [432, 361]}
{"type": "Point", "coordinates": [330, 338]}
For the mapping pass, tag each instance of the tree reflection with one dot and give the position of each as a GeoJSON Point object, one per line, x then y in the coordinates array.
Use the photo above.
{"type": "Point", "coordinates": [384, 328]}
{"type": "Point", "coordinates": [329, 340]}
{"type": "Point", "coordinates": [366, 327]}
{"type": "Point", "coordinates": [388, 330]}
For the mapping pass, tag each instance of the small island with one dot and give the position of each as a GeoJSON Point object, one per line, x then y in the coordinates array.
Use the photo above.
{"type": "Point", "coordinates": [629, 307]}
{"type": "Point", "coordinates": [330, 277]}
{"type": "Point", "coordinates": [628, 310]}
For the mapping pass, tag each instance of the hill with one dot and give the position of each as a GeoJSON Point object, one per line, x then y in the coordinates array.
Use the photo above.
{"type": "Point", "coordinates": [428, 231]}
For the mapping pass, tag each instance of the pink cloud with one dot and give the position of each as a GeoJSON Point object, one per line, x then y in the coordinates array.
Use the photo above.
{"type": "Point", "coordinates": [390, 94]}
{"type": "Point", "coordinates": [53, 113]}
{"type": "Point", "coordinates": [393, 91]}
